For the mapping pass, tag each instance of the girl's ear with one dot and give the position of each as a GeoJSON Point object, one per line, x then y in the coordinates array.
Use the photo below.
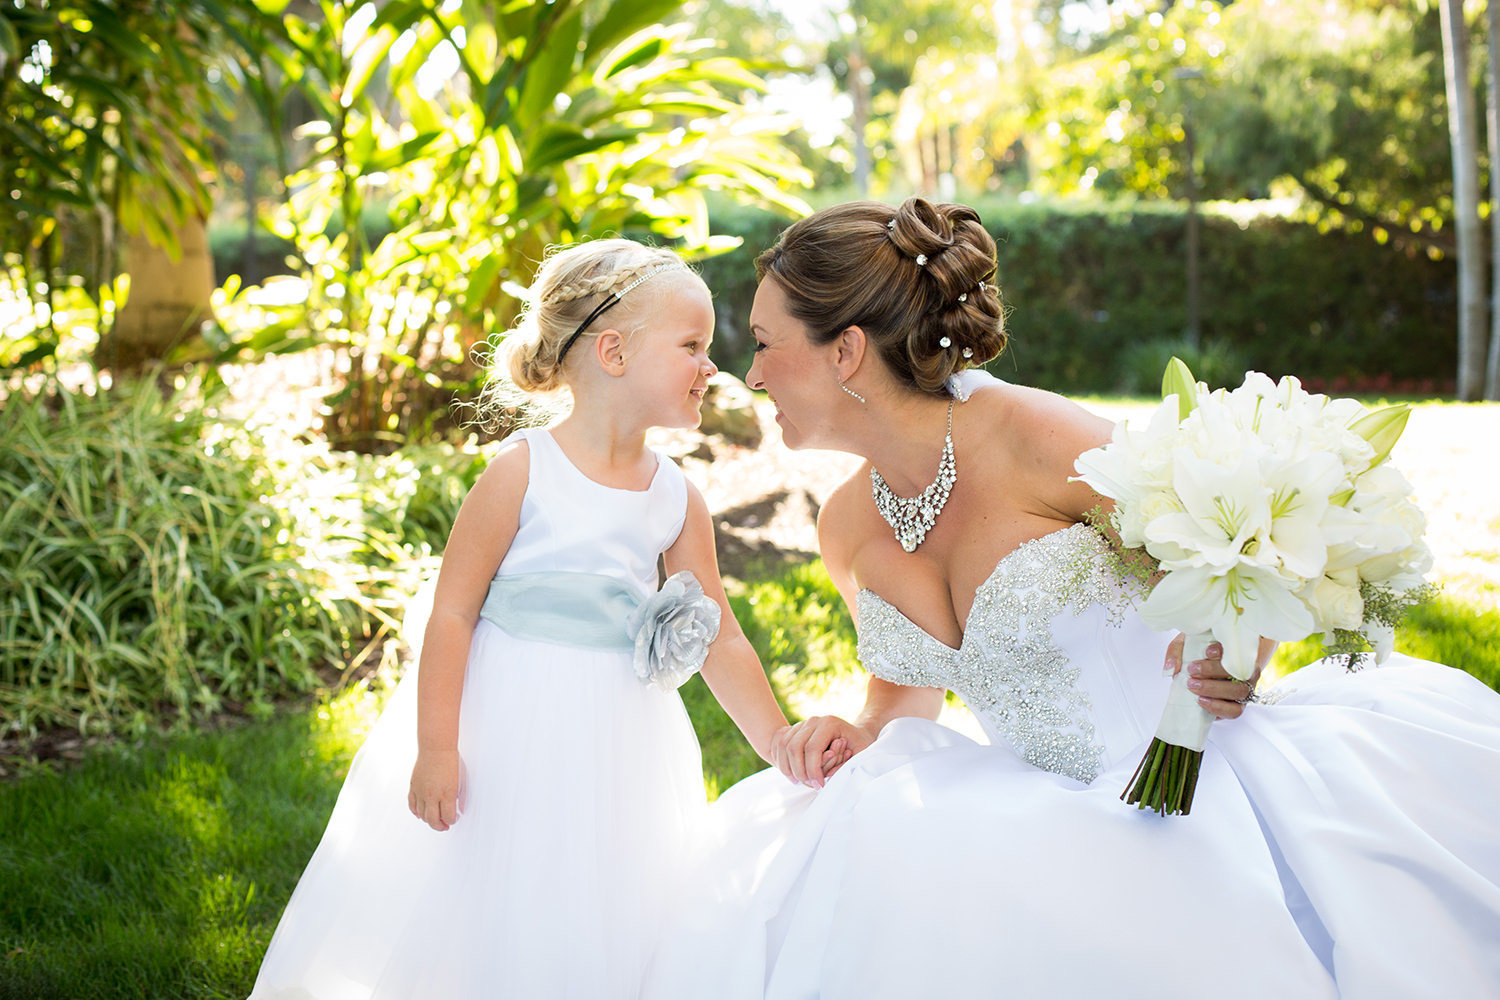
{"type": "Point", "coordinates": [609, 348]}
{"type": "Point", "coordinates": [849, 351]}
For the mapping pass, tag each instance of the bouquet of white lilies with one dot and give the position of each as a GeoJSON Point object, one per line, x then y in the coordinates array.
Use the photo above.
{"type": "Point", "coordinates": [1268, 511]}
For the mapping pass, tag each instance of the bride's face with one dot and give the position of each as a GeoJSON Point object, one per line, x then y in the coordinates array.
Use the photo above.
{"type": "Point", "coordinates": [797, 374]}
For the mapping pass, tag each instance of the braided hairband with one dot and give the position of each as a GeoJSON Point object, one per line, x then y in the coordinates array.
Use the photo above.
{"type": "Point", "coordinates": [612, 299]}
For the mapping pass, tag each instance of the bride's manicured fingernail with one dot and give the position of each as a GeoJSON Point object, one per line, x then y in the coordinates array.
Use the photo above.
{"type": "Point", "coordinates": [1195, 685]}
{"type": "Point", "coordinates": [1169, 668]}
{"type": "Point", "coordinates": [1214, 651]}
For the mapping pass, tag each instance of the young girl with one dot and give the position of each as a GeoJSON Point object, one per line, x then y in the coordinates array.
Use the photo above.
{"type": "Point", "coordinates": [544, 753]}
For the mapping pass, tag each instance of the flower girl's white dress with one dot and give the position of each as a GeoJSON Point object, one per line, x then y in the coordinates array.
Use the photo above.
{"type": "Point", "coordinates": [581, 785]}
{"type": "Point", "coordinates": [1344, 840]}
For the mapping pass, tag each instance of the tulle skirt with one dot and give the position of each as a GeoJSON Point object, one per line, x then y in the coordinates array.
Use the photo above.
{"type": "Point", "coordinates": [1344, 842]}
{"type": "Point", "coordinates": [582, 789]}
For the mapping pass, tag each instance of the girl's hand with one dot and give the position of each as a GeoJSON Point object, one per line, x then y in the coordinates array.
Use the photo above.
{"type": "Point", "coordinates": [1218, 693]}
{"type": "Point", "coordinates": [809, 752]}
{"type": "Point", "coordinates": [437, 788]}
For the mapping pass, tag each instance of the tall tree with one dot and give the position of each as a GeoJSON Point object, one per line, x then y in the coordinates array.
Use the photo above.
{"type": "Point", "coordinates": [881, 46]}
{"type": "Point", "coordinates": [1463, 131]}
{"type": "Point", "coordinates": [1492, 122]}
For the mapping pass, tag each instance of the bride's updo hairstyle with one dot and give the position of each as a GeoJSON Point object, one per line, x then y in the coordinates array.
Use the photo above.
{"type": "Point", "coordinates": [910, 277]}
{"type": "Point", "coordinates": [530, 359]}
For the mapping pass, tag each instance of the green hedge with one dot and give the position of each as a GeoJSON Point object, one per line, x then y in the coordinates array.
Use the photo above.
{"type": "Point", "coordinates": [1096, 294]}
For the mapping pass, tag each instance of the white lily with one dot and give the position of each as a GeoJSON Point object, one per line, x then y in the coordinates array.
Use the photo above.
{"type": "Point", "coordinates": [1224, 506]}
{"type": "Point", "coordinates": [1238, 607]}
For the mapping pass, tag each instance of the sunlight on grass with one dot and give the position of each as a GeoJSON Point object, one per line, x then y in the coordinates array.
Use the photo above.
{"type": "Point", "coordinates": [161, 869]}
{"type": "Point", "coordinates": [1448, 630]}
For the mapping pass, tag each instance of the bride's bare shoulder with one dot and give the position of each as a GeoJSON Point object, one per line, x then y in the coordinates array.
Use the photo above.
{"type": "Point", "coordinates": [842, 523]}
{"type": "Point", "coordinates": [1027, 418]}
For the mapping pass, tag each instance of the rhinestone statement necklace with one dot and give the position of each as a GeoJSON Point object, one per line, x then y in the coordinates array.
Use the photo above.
{"type": "Point", "coordinates": [913, 517]}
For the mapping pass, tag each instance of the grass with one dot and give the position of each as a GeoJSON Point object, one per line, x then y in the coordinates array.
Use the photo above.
{"type": "Point", "coordinates": [1445, 630]}
{"type": "Point", "coordinates": [159, 869]}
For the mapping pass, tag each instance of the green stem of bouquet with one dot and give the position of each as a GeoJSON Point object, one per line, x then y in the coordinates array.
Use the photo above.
{"type": "Point", "coordinates": [1165, 780]}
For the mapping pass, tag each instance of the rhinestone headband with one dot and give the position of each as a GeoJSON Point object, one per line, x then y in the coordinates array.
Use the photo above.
{"type": "Point", "coordinates": [612, 299]}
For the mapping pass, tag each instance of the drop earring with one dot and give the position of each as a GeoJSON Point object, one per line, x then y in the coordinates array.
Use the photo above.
{"type": "Point", "coordinates": [851, 392]}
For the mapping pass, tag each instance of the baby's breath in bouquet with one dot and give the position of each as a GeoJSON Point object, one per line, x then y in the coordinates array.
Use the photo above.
{"type": "Point", "coordinates": [1268, 511]}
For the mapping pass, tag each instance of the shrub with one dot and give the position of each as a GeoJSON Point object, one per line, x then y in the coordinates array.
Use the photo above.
{"type": "Point", "coordinates": [1087, 284]}
{"type": "Point", "coordinates": [148, 576]}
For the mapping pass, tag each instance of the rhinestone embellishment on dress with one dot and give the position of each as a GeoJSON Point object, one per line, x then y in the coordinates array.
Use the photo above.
{"type": "Point", "coordinates": [1010, 670]}
{"type": "Point", "coordinates": [912, 517]}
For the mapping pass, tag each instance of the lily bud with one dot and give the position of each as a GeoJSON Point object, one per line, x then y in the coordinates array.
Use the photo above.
{"type": "Point", "coordinates": [1383, 429]}
{"type": "Point", "coordinates": [1178, 379]}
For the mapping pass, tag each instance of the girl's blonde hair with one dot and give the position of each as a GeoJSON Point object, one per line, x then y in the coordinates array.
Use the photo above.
{"type": "Point", "coordinates": [573, 281]}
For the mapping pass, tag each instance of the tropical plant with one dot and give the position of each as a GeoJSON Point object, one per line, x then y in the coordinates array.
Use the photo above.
{"type": "Point", "coordinates": [490, 131]}
{"type": "Point", "coordinates": [101, 134]}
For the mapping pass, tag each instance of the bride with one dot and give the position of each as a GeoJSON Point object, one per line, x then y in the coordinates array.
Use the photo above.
{"type": "Point", "coordinates": [1344, 840]}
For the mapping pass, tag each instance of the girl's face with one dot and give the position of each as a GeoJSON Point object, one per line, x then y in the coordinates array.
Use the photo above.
{"type": "Point", "coordinates": [669, 357]}
{"type": "Point", "coordinates": [796, 373]}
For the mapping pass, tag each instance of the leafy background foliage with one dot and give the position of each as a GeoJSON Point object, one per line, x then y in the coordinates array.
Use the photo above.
{"type": "Point", "coordinates": [1094, 299]}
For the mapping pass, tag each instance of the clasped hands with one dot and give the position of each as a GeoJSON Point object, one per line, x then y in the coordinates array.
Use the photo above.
{"type": "Point", "coordinates": [811, 751]}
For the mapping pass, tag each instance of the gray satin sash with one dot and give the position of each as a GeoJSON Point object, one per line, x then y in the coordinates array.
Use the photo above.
{"type": "Point", "coordinates": [573, 609]}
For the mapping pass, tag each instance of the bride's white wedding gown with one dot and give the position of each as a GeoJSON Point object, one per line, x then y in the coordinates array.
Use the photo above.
{"type": "Point", "coordinates": [1344, 840]}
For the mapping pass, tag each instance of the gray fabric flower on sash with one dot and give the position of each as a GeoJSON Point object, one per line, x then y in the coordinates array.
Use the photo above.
{"type": "Point", "coordinates": [673, 628]}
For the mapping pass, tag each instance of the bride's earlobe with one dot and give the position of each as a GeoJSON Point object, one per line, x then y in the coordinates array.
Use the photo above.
{"type": "Point", "coordinates": [849, 352]}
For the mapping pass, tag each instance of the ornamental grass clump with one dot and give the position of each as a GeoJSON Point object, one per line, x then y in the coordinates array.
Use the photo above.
{"type": "Point", "coordinates": [146, 579]}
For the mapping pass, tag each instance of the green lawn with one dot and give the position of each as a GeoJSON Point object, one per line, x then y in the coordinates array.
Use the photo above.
{"type": "Point", "coordinates": [158, 870]}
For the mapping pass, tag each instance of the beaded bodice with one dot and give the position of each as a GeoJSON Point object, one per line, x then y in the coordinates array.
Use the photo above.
{"type": "Point", "coordinates": [1052, 662]}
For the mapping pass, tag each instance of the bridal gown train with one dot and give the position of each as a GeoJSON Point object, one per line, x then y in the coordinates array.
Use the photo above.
{"type": "Point", "coordinates": [1344, 840]}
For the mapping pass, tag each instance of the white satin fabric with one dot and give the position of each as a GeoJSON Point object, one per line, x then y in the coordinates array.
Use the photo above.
{"type": "Point", "coordinates": [582, 788]}
{"type": "Point", "coordinates": [1344, 840]}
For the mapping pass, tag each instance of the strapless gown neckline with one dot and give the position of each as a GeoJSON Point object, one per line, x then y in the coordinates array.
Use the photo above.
{"type": "Point", "coordinates": [1016, 553]}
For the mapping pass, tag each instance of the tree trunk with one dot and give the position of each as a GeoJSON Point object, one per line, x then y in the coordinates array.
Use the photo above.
{"type": "Point", "coordinates": [859, 93]}
{"type": "Point", "coordinates": [168, 301]}
{"type": "Point", "coordinates": [1463, 133]}
{"type": "Point", "coordinates": [1492, 124]}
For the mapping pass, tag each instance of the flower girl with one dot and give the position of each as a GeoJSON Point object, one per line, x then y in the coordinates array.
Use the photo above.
{"type": "Point", "coordinates": [541, 746]}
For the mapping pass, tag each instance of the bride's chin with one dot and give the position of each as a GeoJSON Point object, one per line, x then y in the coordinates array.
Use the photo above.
{"type": "Point", "coordinates": [789, 434]}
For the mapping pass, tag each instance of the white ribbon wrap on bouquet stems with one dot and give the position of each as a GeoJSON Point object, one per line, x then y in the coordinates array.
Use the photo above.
{"type": "Point", "coordinates": [1184, 722]}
